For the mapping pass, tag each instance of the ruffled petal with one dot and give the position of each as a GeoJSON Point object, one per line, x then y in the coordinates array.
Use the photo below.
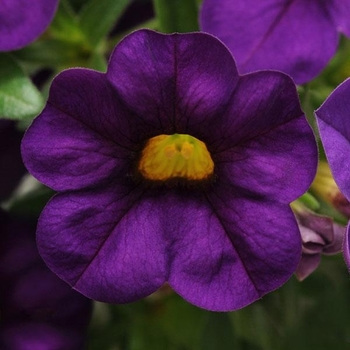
{"type": "Point", "coordinates": [232, 251]}
{"type": "Point", "coordinates": [79, 141]}
{"type": "Point", "coordinates": [22, 21]}
{"type": "Point", "coordinates": [266, 146]}
{"type": "Point", "coordinates": [333, 123]}
{"type": "Point", "coordinates": [297, 37]}
{"type": "Point", "coordinates": [106, 243]}
{"type": "Point", "coordinates": [180, 80]}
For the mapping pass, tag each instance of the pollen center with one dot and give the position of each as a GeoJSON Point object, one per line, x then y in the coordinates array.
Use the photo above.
{"type": "Point", "coordinates": [175, 156]}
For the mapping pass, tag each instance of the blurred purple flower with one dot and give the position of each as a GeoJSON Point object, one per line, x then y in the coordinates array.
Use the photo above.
{"type": "Point", "coordinates": [22, 21]}
{"type": "Point", "coordinates": [320, 235]}
{"type": "Point", "coordinates": [297, 37]}
{"type": "Point", "coordinates": [171, 167]}
{"type": "Point", "coordinates": [38, 310]}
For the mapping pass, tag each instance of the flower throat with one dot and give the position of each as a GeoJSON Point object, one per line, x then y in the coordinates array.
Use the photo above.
{"type": "Point", "coordinates": [166, 157]}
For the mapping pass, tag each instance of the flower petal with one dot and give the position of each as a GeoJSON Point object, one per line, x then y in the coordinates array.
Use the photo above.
{"type": "Point", "coordinates": [337, 244]}
{"type": "Point", "coordinates": [233, 251]}
{"type": "Point", "coordinates": [77, 141]}
{"type": "Point", "coordinates": [313, 243]}
{"type": "Point", "coordinates": [340, 10]}
{"type": "Point", "coordinates": [333, 123]}
{"type": "Point", "coordinates": [307, 265]}
{"type": "Point", "coordinates": [216, 260]}
{"type": "Point", "coordinates": [106, 243]}
{"type": "Point", "coordinates": [171, 87]}
{"type": "Point", "coordinates": [320, 225]}
{"type": "Point", "coordinates": [303, 32]}
{"type": "Point", "coordinates": [346, 247]}
{"type": "Point", "coordinates": [266, 146]}
{"type": "Point", "coordinates": [22, 21]}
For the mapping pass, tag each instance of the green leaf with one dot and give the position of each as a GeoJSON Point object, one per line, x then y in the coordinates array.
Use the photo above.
{"type": "Point", "coordinates": [177, 15]}
{"type": "Point", "coordinates": [50, 53]}
{"type": "Point", "coordinates": [19, 98]}
{"type": "Point", "coordinates": [32, 203]}
{"type": "Point", "coordinates": [310, 201]}
{"type": "Point", "coordinates": [98, 17]}
{"type": "Point", "coordinates": [65, 25]}
{"type": "Point", "coordinates": [98, 61]}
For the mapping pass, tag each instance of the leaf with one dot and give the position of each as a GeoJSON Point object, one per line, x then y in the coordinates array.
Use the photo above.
{"type": "Point", "coordinates": [65, 26]}
{"type": "Point", "coordinates": [98, 61]}
{"type": "Point", "coordinates": [19, 98]}
{"type": "Point", "coordinates": [48, 53]}
{"type": "Point", "coordinates": [98, 17]}
{"type": "Point", "coordinates": [32, 203]}
{"type": "Point", "coordinates": [177, 15]}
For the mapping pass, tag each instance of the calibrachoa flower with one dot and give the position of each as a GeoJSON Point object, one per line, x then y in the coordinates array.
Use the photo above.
{"type": "Point", "coordinates": [22, 21]}
{"type": "Point", "coordinates": [334, 126]}
{"type": "Point", "coordinates": [38, 310]}
{"type": "Point", "coordinates": [171, 167]}
{"type": "Point", "coordinates": [333, 122]}
{"type": "Point", "coordinates": [297, 37]}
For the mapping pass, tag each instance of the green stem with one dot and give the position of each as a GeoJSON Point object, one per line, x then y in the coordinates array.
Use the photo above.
{"type": "Point", "coordinates": [177, 15]}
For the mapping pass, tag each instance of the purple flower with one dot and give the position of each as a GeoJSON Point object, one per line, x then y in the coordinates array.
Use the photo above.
{"type": "Point", "coordinates": [22, 21]}
{"type": "Point", "coordinates": [297, 37]}
{"type": "Point", "coordinates": [38, 310]}
{"type": "Point", "coordinates": [171, 167]}
{"type": "Point", "coordinates": [333, 123]}
{"type": "Point", "coordinates": [320, 235]}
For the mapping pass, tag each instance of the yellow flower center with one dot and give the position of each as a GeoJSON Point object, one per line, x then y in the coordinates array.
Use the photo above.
{"type": "Point", "coordinates": [175, 156]}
